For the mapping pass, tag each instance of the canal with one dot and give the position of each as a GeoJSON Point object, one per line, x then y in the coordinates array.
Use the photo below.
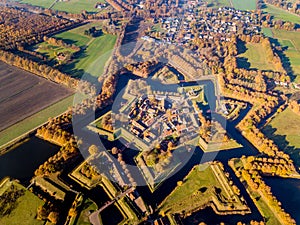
{"type": "Point", "coordinates": [287, 191]}
{"type": "Point", "coordinates": [21, 162]}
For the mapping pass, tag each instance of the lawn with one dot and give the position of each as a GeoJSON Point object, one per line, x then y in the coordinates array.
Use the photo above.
{"type": "Point", "coordinates": [291, 41]}
{"type": "Point", "coordinates": [284, 130]}
{"type": "Point", "coordinates": [198, 188]}
{"type": "Point", "coordinates": [281, 14]}
{"type": "Point", "coordinates": [76, 6]}
{"type": "Point", "coordinates": [35, 120]}
{"type": "Point", "coordinates": [256, 56]}
{"type": "Point", "coordinates": [96, 51]}
{"type": "Point", "coordinates": [23, 208]}
{"type": "Point", "coordinates": [244, 4]}
{"type": "Point", "coordinates": [218, 3]}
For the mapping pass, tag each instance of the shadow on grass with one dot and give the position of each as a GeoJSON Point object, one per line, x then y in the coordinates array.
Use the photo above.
{"type": "Point", "coordinates": [70, 68]}
{"type": "Point", "coordinates": [242, 62]}
{"type": "Point", "coordinates": [283, 144]}
{"type": "Point", "coordinates": [284, 59]}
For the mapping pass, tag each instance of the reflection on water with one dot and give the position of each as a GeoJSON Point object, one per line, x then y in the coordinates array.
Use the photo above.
{"type": "Point", "coordinates": [21, 162]}
{"type": "Point", "coordinates": [287, 191]}
{"type": "Point", "coordinates": [210, 217]}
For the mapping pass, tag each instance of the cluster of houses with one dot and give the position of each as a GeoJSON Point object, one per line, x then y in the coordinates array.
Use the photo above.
{"type": "Point", "coordinates": [208, 24]}
{"type": "Point", "coordinates": [156, 117]}
{"type": "Point", "coordinates": [172, 26]}
{"type": "Point", "coordinates": [101, 5]}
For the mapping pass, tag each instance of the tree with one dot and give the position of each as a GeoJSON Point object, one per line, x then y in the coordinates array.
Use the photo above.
{"type": "Point", "coordinates": [93, 150]}
{"type": "Point", "coordinates": [53, 217]}
{"type": "Point", "coordinates": [42, 213]}
{"type": "Point", "coordinates": [114, 150]}
{"type": "Point", "coordinates": [72, 212]}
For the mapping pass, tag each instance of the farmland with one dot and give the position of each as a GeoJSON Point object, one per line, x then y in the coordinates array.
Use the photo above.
{"type": "Point", "coordinates": [35, 120]}
{"type": "Point", "coordinates": [256, 56]}
{"type": "Point", "coordinates": [281, 14]}
{"type": "Point", "coordinates": [96, 51]}
{"type": "Point", "coordinates": [284, 130]}
{"type": "Point", "coordinates": [23, 94]}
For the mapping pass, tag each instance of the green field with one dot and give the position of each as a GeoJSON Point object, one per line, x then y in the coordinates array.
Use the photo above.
{"type": "Point", "coordinates": [284, 130]}
{"type": "Point", "coordinates": [281, 14]}
{"type": "Point", "coordinates": [71, 6]}
{"type": "Point", "coordinates": [35, 120]}
{"type": "Point", "coordinates": [218, 3]}
{"type": "Point", "coordinates": [244, 4]}
{"type": "Point", "coordinates": [76, 6]}
{"type": "Point", "coordinates": [41, 3]}
{"type": "Point", "coordinates": [290, 40]}
{"type": "Point", "coordinates": [95, 54]}
{"type": "Point", "coordinates": [256, 56]}
{"type": "Point", "coordinates": [23, 209]}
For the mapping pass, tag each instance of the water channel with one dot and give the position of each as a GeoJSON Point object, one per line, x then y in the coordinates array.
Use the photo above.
{"type": "Point", "coordinates": [21, 162]}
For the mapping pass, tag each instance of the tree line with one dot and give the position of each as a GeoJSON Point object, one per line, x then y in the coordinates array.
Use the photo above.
{"type": "Point", "coordinates": [249, 173]}
{"type": "Point", "coordinates": [23, 28]}
{"type": "Point", "coordinates": [47, 72]}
